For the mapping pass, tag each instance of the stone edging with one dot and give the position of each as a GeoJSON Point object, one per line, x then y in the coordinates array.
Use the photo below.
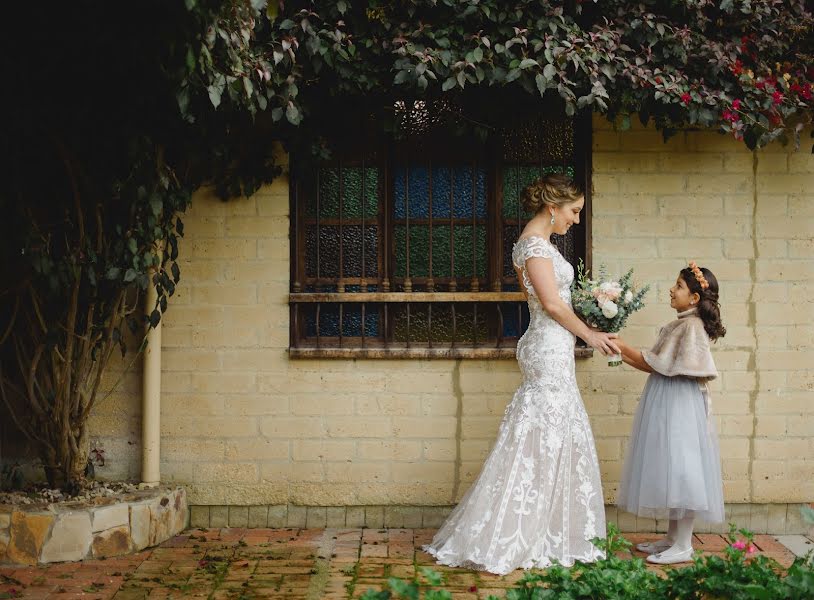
{"type": "Point", "coordinates": [99, 528]}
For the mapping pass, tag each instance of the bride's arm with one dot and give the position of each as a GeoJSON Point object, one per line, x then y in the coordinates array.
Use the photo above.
{"type": "Point", "coordinates": [541, 274]}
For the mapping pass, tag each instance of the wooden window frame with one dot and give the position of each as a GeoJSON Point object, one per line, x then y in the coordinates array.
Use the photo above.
{"type": "Point", "coordinates": [385, 295]}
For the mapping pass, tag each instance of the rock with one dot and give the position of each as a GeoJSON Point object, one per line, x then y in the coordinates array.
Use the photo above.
{"type": "Point", "coordinates": [161, 521]}
{"type": "Point", "coordinates": [140, 526]}
{"type": "Point", "coordinates": [108, 517]}
{"type": "Point", "coordinates": [180, 511]}
{"type": "Point", "coordinates": [112, 542]}
{"type": "Point", "coordinates": [4, 539]}
{"type": "Point", "coordinates": [70, 538]}
{"type": "Point", "coordinates": [27, 535]}
{"type": "Point", "coordinates": [5, 520]}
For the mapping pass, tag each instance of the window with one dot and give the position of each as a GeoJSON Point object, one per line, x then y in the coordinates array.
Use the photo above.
{"type": "Point", "coordinates": [403, 248]}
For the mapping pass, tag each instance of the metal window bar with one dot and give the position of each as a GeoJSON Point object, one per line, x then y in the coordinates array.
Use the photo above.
{"type": "Point", "coordinates": [430, 282]}
{"type": "Point", "coordinates": [453, 282]}
{"type": "Point", "coordinates": [408, 284]}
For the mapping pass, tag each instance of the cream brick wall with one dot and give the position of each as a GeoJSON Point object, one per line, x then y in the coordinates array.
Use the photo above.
{"type": "Point", "coordinates": [242, 424]}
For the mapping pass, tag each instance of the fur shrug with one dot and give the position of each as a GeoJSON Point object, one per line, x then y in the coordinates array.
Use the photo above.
{"type": "Point", "coordinates": [682, 348]}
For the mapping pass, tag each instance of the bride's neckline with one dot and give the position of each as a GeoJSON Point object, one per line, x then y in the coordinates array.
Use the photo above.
{"type": "Point", "coordinates": [533, 236]}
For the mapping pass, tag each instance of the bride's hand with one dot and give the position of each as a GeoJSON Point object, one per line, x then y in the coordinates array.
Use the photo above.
{"type": "Point", "coordinates": [603, 342]}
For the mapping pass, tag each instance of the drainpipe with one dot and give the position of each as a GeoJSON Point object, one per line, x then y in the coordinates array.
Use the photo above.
{"type": "Point", "coordinates": [151, 398]}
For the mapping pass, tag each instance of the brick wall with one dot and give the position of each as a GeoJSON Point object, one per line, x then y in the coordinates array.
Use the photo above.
{"type": "Point", "coordinates": [243, 425]}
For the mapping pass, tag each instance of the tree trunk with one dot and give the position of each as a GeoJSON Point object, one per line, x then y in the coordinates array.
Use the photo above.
{"type": "Point", "coordinates": [64, 467]}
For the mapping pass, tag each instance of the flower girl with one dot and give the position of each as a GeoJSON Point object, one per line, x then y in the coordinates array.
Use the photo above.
{"type": "Point", "coordinates": [673, 465]}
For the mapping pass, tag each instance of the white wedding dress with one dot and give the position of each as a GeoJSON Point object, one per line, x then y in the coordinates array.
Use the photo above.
{"type": "Point", "coordinates": [539, 497]}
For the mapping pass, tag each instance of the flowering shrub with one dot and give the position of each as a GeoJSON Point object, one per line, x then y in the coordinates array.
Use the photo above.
{"type": "Point", "coordinates": [740, 66]}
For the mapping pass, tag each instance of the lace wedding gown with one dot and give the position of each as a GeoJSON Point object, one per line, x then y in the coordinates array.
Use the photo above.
{"type": "Point", "coordinates": [539, 496]}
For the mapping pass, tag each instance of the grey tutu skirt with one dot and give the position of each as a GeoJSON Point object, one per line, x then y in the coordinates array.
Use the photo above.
{"type": "Point", "coordinates": [673, 462]}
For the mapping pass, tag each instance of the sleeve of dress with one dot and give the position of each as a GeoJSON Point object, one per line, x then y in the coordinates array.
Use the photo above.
{"type": "Point", "coordinates": [539, 248]}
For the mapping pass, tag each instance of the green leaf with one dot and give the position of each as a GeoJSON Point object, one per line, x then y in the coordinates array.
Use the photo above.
{"type": "Point", "coordinates": [342, 6]}
{"type": "Point", "coordinates": [130, 275]}
{"type": "Point", "coordinates": [527, 63]}
{"type": "Point", "coordinates": [214, 95]}
{"type": "Point", "coordinates": [292, 113]}
{"type": "Point", "coordinates": [132, 245]}
{"type": "Point", "coordinates": [477, 53]}
{"type": "Point", "coordinates": [190, 4]}
{"type": "Point", "coordinates": [448, 84]}
{"type": "Point", "coordinates": [156, 204]}
{"type": "Point", "coordinates": [541, 82]}
{"type": "Point", "coordinates": [287, 24]}
{"type": "Point", "coordinates": [549, 71]}
{"type": "Point", "coordinates": [190, 59]}
{"type": "Point", "coordinates": [113, 273]}
{"type": "Point", "coordinates": [401, 76]}
{"type": "Point", "coordinates": [272, 9]}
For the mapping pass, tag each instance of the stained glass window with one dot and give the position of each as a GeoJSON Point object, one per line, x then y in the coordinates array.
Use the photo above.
{"type": "Point", "coordinates": [404, 248]}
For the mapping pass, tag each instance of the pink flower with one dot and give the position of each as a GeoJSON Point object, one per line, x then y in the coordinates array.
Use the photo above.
{"type": "Point", "coordinates": [777, 97]}
{"type": "Point", "coordinates": [752, 549]}
{"type": "Point", "coordinates": [739, 545]}
{"type": "Point", "coordinates": [685, 98]}
{"type": "Point", "coordinates": [736, 104]}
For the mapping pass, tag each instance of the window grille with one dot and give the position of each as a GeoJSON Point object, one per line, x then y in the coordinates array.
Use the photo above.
{"type": "Point", "coordinates": [403, 248]}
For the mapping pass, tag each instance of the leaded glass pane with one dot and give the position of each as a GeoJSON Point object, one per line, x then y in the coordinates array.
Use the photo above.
{"type": "Point", "coordinates": [353, 191]}
{"type": "Point", "coordinates": [420, 251]}
{"type": "Point", "coordinates": [351, 321]}
{"type": "Point", "coordinates": [322, 251]}
{"type": "Point", "coordinates": [352, 251]}
{"type": "Point", "coordinates": [451, 186]}
{"type": "Point", "coordinates": [466, 330]}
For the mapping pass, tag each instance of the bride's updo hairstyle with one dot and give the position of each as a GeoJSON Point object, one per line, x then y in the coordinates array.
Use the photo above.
{"type": "Point", "coordinates": [709, 310]}
{"type": "Point", "coordinates": [550, 190]}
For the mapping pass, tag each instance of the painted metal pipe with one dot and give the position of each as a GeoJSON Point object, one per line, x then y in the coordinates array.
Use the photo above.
{"type": "Point", "coordinates": [151, 398]}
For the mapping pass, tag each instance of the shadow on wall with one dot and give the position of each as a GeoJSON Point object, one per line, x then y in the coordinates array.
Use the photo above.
{"type": "Point", "coordinates": [18, 462]}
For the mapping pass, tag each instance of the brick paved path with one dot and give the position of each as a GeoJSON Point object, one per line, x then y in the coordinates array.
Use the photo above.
{"type": "Point", "coordinates": [277, 563]}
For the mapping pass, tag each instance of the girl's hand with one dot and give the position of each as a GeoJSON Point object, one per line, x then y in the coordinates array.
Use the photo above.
{"type": "Point", "coordinates": [604, 342]}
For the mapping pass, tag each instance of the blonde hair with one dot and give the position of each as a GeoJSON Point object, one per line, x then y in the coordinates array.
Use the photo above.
{"type": "Point", "coordinates": [550, 190]}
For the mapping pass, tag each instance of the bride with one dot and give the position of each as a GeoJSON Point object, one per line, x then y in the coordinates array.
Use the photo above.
{"type": "Point", "coordinates": [538, 497]}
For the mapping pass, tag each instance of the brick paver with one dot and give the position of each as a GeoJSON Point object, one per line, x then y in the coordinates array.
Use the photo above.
{"type": "Point", "coordinates": [243, 564]}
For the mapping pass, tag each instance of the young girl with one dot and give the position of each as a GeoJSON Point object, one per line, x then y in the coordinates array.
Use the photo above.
{"type": "Point", "coordinates": [673, 466]}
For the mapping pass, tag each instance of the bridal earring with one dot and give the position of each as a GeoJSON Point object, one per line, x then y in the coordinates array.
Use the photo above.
{"type": "Point", "coordinates": [552, 218]}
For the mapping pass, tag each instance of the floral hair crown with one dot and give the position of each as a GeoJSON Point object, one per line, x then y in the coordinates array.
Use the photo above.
{"type": "Point", "coordinates": [699, 276]}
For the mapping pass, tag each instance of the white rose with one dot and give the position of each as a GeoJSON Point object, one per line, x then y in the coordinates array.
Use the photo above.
{"type": "Point", "coordinates": [628, 296]}
{"type": "Point", "coordinates": [609, 309]}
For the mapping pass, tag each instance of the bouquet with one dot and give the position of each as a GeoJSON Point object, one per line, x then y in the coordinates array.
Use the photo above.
{"type": "Point", "coordinates": [605, 303]}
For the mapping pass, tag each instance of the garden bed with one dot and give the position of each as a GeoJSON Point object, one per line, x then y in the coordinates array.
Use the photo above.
{"type": "Point", "coordinates": [110, 523]}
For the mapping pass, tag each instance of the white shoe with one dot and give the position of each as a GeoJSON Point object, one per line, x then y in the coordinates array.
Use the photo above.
{"type": "Point", "coordinates": [654, 547]}
{"type": "Point", "coordinates": [671, 557]}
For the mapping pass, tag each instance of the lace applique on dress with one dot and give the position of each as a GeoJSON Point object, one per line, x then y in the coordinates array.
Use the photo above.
{"type": "Point", "coordinates": [538, 497]}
